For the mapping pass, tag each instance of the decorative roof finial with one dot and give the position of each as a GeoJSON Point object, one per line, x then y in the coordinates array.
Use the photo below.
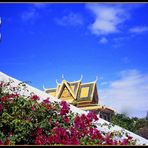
{"type": "Point", "coordinates": [96, 79]}
{"type": "Point", "coordinates": [44, 87]}
{"type": "Point", "coordinates": [81, 77]}
{"type": "Point", "coordinates": [63, 76]}
{"type": "Point", "coordinates": [57, 82]}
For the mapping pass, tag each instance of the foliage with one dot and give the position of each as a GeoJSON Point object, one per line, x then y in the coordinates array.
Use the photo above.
{"type": "Point", "coordinates": [143, 132]}
{"type": "Point", "coordinates": [23, 120]}
{"type": "Point", "coordinates": [136, 125]}
{"type": "Point", "coordinates": [124, 121]}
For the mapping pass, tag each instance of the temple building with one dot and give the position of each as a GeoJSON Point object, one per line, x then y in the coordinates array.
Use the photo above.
{"type": "Point", "coordinates": [83, 95]}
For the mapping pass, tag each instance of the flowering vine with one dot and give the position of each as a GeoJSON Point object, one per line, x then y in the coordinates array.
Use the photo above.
{"type": "Point", "coordinates": [26, 121]}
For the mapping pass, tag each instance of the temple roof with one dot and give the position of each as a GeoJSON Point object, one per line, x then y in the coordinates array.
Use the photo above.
{"type": "Point", "coordinates": [85, 94]}
{"type": "Point", "coordinates": [79, 91]}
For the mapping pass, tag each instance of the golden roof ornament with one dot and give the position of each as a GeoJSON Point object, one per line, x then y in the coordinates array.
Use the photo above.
{"type": "Point", "coordinates": [57, 82]}
{"type": "Point", "coordinates": [44, 87]}
{"type": "Point", "coordinates": [81, 77]}
{"type": "Point", "coordinates": [96, 79]}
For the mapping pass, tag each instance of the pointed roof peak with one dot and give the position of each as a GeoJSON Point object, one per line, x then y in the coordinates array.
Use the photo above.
{"type": "Point", "coordinates": [64, 80]}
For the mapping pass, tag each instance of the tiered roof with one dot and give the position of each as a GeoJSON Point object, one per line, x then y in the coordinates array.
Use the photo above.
{"type": "Point", "coordinates": [84, 94]}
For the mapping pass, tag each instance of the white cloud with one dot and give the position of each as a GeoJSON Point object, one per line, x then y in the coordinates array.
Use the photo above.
{"type": "Point", "coordinates": [128, 94]}
{"type": "Point", "coordinates": [72, 19]}
{"type": "Point", "coordinates": [107, 18]}
{"type": "Point", "coordinates": [103, 40]}
{"type": "Point", "coordinates": [32, 13]}
{"type": "Point", "coordinates": [29, 15]}
{"type": "Point", "coordinates": [139, 29]}
{"type": "Point", "coordinates": [122, 40]}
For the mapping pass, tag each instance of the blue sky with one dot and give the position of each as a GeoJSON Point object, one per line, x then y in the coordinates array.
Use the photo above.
{"type": "Point", "coordinates": [40, 42]}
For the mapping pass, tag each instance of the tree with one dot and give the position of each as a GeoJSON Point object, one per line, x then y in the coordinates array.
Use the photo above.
{"type": "Point", "coordinates": [143, 132]}
{"type": "Point", "coordinates": [147, 116]}
{"type": "Point", "coordinates": [136, 125]}
{"type": "Point", "coordinates": [124, 121]}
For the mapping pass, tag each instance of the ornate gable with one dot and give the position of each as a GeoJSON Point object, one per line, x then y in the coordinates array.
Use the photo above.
{"type": "Point", "coordinates": [75, 87]}
{"type": "Point", "coordinates": [66, 95]}
{"type": "Point", "coordinates": [65, 91]}
{"type": "Point", "coordinates": [86, 92]}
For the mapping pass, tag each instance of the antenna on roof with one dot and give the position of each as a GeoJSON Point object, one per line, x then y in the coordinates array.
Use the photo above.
{"type": "Point", "coordinates": [57, 82]}
{"type": "Point", "coordinates": [81, 77]}
{"type": "Point", "coordinates": [44, 87]}
{"type": "Point", "coordinates": [96, 79]}
{"type": "Point", "coordinates": [63, 76]}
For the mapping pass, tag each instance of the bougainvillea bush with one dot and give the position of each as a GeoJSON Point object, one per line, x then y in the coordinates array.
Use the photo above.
{"type": "Point", "coordinates": [26, 121]}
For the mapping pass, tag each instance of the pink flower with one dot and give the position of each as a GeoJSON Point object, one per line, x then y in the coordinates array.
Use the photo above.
{"type": "Point", "coordinates": [129, 137]}
{"type": "Point", "coordinates": [92, 116]}
{"type": "Point", "coordinates": [77, 121]}
{"type": "Point", "coordinates": [96, 134]}
{"type": "Point", "coordinates": [46, 101]}
{"type": "Point", "coordinates": [50, 139]}
{"type": "Point", "coordinates": [35, 97]}
{"type": "Point", "coordinates": [66, 120]}
{"type": "Point", "coordinates": [57, 124]}
{"type": "Point", "coordinates": [60, 131]}
{"type": "Point", "coordinates": [39, 131]}
{"type": "Point", "coordinates": [50, 120]}
{"type": "Point", "coordinates": [65, 108]}
{"type": "Point", "coordinates": [115, 142]}
{"type": "Point", "coordinates": [1, 107]}
{"type": "Point", "coordinates": [14, 95]}
{"type": "Point", "coordinates": [73, 131]}
{"type": "Point", "coordinates": [109, 141]}
{"type": "Point", "coordinates": [5, 98]}
{"type": "Point", "coordinates": [40, 140]}
{"type": "Point", "coordinates": [1, 143]}
{"type": "Point", "coordinates": [33, 108]}
{"type": "Point", "coordinates": [75, 141]}
{"type": "Point", "coordinates": [63, 103]}
{"type": "Point", "coordinates": [124, 142]}
{"type": "Point", "coordinates": [1, 84]}
{"type": "Point", "coordinates": [81, 122]}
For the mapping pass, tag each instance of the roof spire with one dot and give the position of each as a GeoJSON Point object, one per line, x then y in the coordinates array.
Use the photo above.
{"type": "Point", "coordinates": [62, 76]}
{"type": "Point", "coordinates": [81, 77]}
{"type": "Point", "coordinates": [96, 79]}
{"type": "Point", "coordinates": [57, 82]}
{"type": "Point", "coordinates": [44, 87]}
